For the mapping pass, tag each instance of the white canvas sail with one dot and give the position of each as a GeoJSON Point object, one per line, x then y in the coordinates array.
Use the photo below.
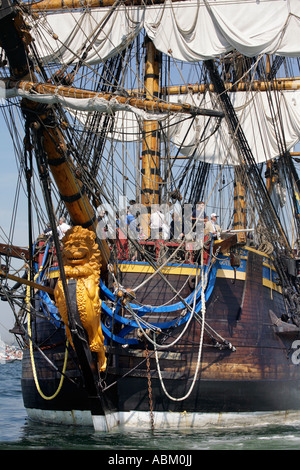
{"type": "Point", "coordinates": [83, 105]}
{"type": "Point", "coordinates": [253, 109]}
{"type": "Point", "coordinates": [205, 29]}
{"type": "Point", "coordinates": [189, 30]}
{"type": "Point", "coordinates": [257, 121]}
{"type": "Point", "coordinates": [62, 37]}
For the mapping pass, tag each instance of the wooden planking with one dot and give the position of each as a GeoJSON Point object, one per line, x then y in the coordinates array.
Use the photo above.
{"type": "Point", "coordinates": [237, 311]}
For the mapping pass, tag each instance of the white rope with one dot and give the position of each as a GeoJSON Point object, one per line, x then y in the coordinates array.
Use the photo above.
{"type": "Point", "coordinates": [203, 308]}
{"type": "Point", "coordinates": [165, 346]}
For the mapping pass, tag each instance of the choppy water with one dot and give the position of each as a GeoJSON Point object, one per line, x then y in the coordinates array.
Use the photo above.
{"type": "Point", "coordinates": [18, 433]}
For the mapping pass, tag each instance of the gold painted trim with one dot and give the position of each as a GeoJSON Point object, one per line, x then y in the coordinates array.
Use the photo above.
{"type": "Point", "coordinates": [144, 269]}
{"type": "Point", "coordinates": [249, 248]}
{"type": "Point", "coordinates": [52, 274]}
{"type": "Point", "coordinates": [222, 273]}
{"type": "Point", "coordinates": [228, 274]}
{"type": "Point", "coordinates": [271, 285]}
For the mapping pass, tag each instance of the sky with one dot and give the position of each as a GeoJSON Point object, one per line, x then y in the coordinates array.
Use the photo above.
{"type": "Point", "coordinates": [8, 175]}
{"type": "Point", "coordinates": [8, 180]}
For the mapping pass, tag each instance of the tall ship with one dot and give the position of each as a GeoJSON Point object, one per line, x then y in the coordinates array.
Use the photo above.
{"type": "Point", "coordinates": [156, 146]}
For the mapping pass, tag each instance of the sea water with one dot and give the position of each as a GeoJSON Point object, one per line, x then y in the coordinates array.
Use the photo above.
{"type": "Point", "coordinates": [19, 433]}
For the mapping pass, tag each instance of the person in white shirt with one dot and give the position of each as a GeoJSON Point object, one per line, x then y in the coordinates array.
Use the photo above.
{"type": "Point", "coordinates": [157, 222]}
{"type": "Point", "coordinates": [211, 226]}
{"type": "Point", "coordinates": [62, 227]}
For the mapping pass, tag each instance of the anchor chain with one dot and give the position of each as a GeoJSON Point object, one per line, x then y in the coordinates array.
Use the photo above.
{"type": "Point", "coordinates": [149, 387]}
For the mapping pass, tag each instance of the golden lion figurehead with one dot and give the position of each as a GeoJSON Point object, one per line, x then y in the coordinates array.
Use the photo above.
{"type": "Point", "coordinates": [80, 251]}
{"type": "Point", "coordinates": [82, 261]}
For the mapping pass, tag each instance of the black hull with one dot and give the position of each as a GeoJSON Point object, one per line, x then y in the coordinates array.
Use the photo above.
{"type": "Point", "coordinates": [258, 375]}
{"type": "Point", "coordinates": [213, 397]}
{"type": "Point", "coordinates": [74, 406]}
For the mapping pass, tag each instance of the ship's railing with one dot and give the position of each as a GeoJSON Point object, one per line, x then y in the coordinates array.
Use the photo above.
{"type": "Point", "coordinates": [160, 249]}
{"type": "Point", "coordinates": [128, 323]}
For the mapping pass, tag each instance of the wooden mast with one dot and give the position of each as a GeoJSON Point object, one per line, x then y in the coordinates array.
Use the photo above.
{"type": "Point", "coordinates": [239, 211]}
{"type": "Point", "coordinates": [151, 179]}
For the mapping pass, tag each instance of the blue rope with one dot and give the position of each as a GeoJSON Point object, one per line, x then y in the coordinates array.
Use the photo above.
{"type": "Point", "coordinates": [130, 325]}
{"type": "Point", "coordinates": [165, 325]}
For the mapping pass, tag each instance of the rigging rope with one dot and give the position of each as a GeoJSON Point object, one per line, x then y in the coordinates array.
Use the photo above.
{"type": "Point", "coordinates": [203, 309]}
{"type": "Point", "coordinates": [34, 372]}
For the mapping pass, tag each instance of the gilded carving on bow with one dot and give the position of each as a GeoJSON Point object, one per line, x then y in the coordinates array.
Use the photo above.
{"type": "Point", "coordinates": [82, 261]}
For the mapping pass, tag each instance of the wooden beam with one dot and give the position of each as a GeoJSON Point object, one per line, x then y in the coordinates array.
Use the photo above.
{"type": "Point", "coordinates": [291, 83]}
{"type": "Point", "coordinates": [255, 85]}
{"type": "Point", "coordinates": [26, 282]}
{"type": "Point", "coordinates": [53, 5]}
{"type": "Point", "coordinates": [14, 251]}
{"type": "Point", "coordinates": [153, 105]}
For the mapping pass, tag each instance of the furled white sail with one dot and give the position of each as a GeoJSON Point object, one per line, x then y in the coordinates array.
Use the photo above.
{"type": "Point", "coordinates": [261, 126]}
{"type": "Point", "coordinates": [63, 37]}
{"type": "Point", "coordinates": [193, 31]}
{"type": "Point", "coordinates": [82, 105]}
{"type": "Point", "coordinates": [189, 30]}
